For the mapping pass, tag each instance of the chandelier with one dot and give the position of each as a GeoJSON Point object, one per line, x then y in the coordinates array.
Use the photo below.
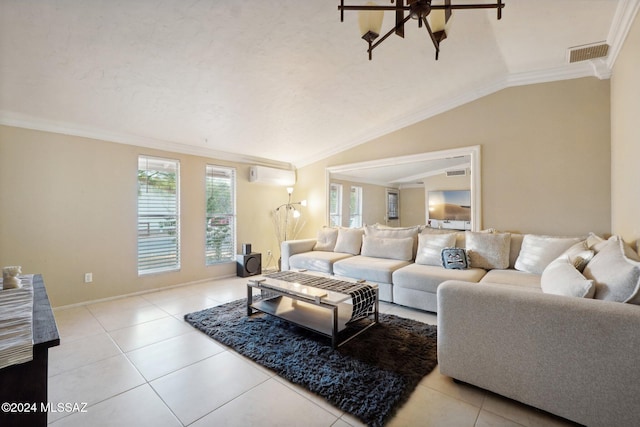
{"type": "Point", "coordinates": [434, 17]}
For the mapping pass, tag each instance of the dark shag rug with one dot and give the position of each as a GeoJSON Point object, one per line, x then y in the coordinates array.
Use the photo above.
{"type": "Point", "coordinates": [370, 377]}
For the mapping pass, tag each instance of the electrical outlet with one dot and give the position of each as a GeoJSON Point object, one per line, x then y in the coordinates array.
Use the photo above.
{"type": "Point", "coordinates": [88, 277]}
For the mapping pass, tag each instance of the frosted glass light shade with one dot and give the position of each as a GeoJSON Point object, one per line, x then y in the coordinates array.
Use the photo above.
{"type": "Point", "coordinates": [437, 21]}
{"type": "Point", "coordinates": [370, 20]}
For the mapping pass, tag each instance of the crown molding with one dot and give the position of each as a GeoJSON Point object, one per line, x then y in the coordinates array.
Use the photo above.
{"type": "Point", "coordinates": [27, 122]}
{"type": "Point", "coordinates": [624, 16]}
{"type": "Point", "coordinates": [570, 71]}
{"type": "Point", "coordinates": [620, 26]}
{"type": "Point", "coordinates": [599, 68]}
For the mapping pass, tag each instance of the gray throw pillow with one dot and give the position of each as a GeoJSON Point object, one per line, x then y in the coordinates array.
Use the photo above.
{"type": "Point", "coordinates": [488, 250]}
{"type": "Point", "coordinates": [615, 269]}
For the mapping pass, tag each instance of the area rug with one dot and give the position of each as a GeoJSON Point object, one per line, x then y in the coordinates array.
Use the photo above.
{"type": "Point", "coordinates": [369, 377]}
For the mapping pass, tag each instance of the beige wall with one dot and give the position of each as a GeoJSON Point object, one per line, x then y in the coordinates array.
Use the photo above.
{"type": "Point", "coordinates": [69, 207]}
{"type": "Point", "coordinates": [625, 138]}
{"type": "Point", "coordinates": [69, 203]}
{"type": "Point", "coordinates": [412, 206]}
{"type": "Point", "coordinates": [546, 156]}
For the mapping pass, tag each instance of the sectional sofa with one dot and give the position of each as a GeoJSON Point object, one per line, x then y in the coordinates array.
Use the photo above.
{"type": "Point", "coordinates": [552, 322]}
{"type": "Point", "coordinates": [406, 262]}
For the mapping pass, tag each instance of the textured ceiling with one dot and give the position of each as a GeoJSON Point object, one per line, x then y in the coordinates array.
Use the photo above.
{"type": "Point", "coordinates": [280, 82]}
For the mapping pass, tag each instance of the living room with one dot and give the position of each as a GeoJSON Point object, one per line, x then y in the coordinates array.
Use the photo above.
{"type": "Point", "coordinates": [557, 157]}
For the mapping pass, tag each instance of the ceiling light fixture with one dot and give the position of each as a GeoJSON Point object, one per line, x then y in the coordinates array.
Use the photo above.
{"type": "Point", "coordinates": [433, 16]}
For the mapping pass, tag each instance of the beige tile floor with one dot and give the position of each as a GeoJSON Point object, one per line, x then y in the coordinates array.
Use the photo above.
{"type": "Point", "coordinates": [135, 362]}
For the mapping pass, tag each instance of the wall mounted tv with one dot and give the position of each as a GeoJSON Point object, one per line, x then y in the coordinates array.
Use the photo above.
{"type": "Point", "coordinates": [450, 205]}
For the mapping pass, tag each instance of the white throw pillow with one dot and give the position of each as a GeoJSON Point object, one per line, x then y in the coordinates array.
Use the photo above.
{"type": "Point", "coordinates": [595, 242]}
{"type": "Point", "coordinates": [579, 255]}
{"type": "Point", "coordinates": [562, 278]}
{"type": "Point", "coordinates": [537, 252]}
{"type": "Point", "coordinates": [616, 272]}
{"type": "Point", "coordinates": [380, 247]}
{"type": "Point", "coordinates": [326, 240]}
{"type": "Point", "coordinates": [488, 250]}
{"type": "Point", "coordinates": [430, 247]}
{"type": "Point", "coordinates": [391, 232]}
{"type": "Point", "coordinates": [349, 240]}
{"type": "Point", "coordinates": [394, 233]}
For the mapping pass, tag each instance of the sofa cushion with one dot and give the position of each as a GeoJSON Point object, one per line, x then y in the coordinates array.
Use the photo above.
{"type": "Point", "coordinates": [595, 242]}
{"type": "Point", "coordinates": [616, 272]}
{"type": "Point", "coordinates": [516, 278]}
{"type": "Point", "coordinates": [488, 250]}
{"type": "Point", "coordinates": [427, 278]}
{"type": "Point", "coordinates": [538, 251]}
{"type": "Point", "coordinates": [349, 240]}
{"type": "Point", "coordinates": [514, 248]}
{"type": "Point", "coordinates": [321, 261]}
{"type": "Point", "coordinates": [430, 247]}
{"type": "Point", "coordinates": [394, 233]}
{"type": "Point", "coordinates": [562, 278]}
{"type": "Point", "coordinates": [391, 232]}
{"type": "Point", "coordinates": [379, 247]}
{"type": "Point", "coordinates": [378, 270]}
{"type": "Point", "coordinates": [326, 240]}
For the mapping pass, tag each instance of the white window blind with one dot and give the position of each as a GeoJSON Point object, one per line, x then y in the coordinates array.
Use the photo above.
{"type": "Point", "coordinates": [355, 207]}
{"type": "Point", "coordinates": [335, 205]}
{"type": "Point", "coordinates": [158, 215]}
{"type": "Point", "coordinates": [221, 214]}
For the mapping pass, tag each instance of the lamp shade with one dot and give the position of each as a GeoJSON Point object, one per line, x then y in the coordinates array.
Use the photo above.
{"type": "Point", "coordinates": [437, 20]}
{"type": "Point", "coordinates": [370, 20]}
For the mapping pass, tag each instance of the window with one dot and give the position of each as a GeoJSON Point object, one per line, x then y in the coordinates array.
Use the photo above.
{"type": "Point", "coordinates": [355, 207]}
{"type": "Point", "coordinates": [392, 205]}
{"type": "Point", "coordinates": [335, 205]}
{"type": "Point", "coordinates": [158, 215]}
{"type": "Point", "coordinates": [221, 214]}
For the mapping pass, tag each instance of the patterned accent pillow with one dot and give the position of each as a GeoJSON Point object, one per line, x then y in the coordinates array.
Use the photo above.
{"type": "Point", "coordinates": [454, 258]}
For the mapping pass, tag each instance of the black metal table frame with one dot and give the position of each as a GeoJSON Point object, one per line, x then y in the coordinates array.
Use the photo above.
{"type": "Point", "coordinates": [333, 308]}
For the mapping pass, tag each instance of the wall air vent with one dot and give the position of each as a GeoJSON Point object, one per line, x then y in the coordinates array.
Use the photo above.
{"type": "Point", "coordinates": [456, 172]}
{"type": "Point", "coordinates": [587, 51]}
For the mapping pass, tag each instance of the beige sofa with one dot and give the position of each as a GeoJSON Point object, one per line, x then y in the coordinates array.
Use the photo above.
{"type": "Point", "coordinates": [574, 357]}
{"type": "Point", "coordinates": [405, 262]}
{"type": "Point", "coordinates": [554, 324]}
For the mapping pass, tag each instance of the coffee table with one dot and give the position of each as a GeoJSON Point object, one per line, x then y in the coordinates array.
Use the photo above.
{"type": "Point", "coordinates": [319, 303]}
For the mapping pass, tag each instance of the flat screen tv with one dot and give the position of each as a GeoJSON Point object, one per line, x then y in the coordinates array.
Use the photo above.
{"type": "Point", "coordinates": [450, 205]}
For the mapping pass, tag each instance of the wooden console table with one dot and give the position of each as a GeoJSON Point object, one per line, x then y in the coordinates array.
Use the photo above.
{"type": "Point", "coordinates": [27, 382]}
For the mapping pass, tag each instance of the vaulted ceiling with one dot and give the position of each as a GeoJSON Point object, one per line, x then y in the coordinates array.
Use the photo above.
{"type": "Point", "coordinates": [280, 82]}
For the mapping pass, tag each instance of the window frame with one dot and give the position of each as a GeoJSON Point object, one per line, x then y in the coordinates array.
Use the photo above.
{"type": "Point", "coordinates": [335, 216]}
{"type": "Point", "coordinates": [153, 213]}
{"type": "Point", "coordinates": [231, 217]}
{"type": "Point", "coordinates": [355, 215]}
